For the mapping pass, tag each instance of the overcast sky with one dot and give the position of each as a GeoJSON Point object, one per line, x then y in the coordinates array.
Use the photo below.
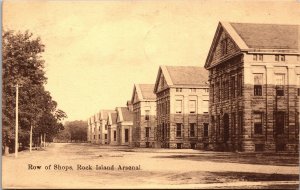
{"type": "Point", "coordinates": [96, 50]}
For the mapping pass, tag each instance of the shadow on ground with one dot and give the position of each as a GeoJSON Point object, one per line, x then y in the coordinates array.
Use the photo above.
{"type": "Point", "coordinates": [242, 158]}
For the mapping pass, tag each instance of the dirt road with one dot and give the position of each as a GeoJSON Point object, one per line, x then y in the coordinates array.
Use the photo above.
{"type": "Point", "coordinates": [93, 166]}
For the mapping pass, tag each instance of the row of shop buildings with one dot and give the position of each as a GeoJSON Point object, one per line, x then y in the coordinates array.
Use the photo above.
{"type": "Point", "coordinates": [246, 98]}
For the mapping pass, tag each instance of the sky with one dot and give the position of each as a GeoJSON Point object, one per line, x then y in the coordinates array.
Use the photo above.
{"type": "Point", "coordinates": [95, 51]}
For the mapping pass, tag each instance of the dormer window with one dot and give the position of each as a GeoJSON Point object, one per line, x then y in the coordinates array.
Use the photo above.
{"type": "Point", "coordinates": [224, 46]}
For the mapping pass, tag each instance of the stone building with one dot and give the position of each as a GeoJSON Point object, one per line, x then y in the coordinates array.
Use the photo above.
{"type": "Point", "coordinates": [92, 129]}
{"type": "Point", "coordinates": [124, 126]}
{"type": "Point", "coordinates": [144, 115]}
{"type": "Point", "coordinates": [111, 125]}
{"type": "Point", "coordinates": [102, 128]}
{"type": "Point", "coordinates": [254, 75]}
{"type": "Point", "coordinates": [182, 107]}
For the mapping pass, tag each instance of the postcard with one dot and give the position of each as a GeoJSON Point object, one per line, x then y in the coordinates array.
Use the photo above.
{"type": "Point", "coordinates": [150, 94]}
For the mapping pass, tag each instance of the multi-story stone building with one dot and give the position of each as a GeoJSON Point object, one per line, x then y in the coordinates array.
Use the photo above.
{"type": "Point", "coordinates": [92, 129]}
{"type": "Point", "coordinates": [144, 115]}
{"type": "Point", "coordinates": [124, 126]}
{"type": "Point", "coordinates": [182, 107]}
{"type": "Point", "coordinates": [254, 74]}
{"type": "Point", "coordinates": [102, 128]}
{"type": "Point", "coordinates": [111, 125]}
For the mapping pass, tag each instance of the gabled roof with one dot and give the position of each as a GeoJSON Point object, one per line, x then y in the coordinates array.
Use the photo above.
{"type": "Point", "coordinates": [249, 37]}
{"type": "Point", "coordinates": [144, 92]}
{"type": "Point", "coordinates": [112, 118]}
{"type": "Point", "coordinates": [104, 113]}
{"type": "Point", "coordinates": [182, 76]}
{"type": "Point", "coordinates": [268, 36]}
{"type": "Point", "coordinates": [124, 114]}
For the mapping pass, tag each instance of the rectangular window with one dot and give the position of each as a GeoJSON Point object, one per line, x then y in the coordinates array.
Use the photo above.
{"type": "Point", "coordinates": [297, 124]}
{"type": "Point", "coordinates": [192, 106]}
{"type": "Point", "coordinates": [99, 137]}
{"type": "Point", "coordinates": [260, 57]}
{"type": "Point", "coordinates": [258, 82]}
{"type": "Point", "coordinates": [115, 135]}
{"type": "Point", "coordinates": [205, 129]}
{"type": "Point", "coordinates": [257, 123]}
{"type": "Point", "coordinates": [279, 82]}
{"type": "Point", "coordinates": [205, 106]}
{"type": "Point", "coordinates": [218, 125]}
{"type": "Point", "coordinates": [233, 124]}
{"type": "Point", "coordinates": [232, 87]}
{"type": "Point", "coordinates": [298, 85]}
{"type": "Point", "coordinates": [163, 131]}
{"type": "Point", "coordinates": [212, 93]}
{"type": "Point", "coordinates": [192, 89]}
{"type": "Point", "coordinates": [178, 89]}
{"type": "Point", "coordinates": [126, 135]}
{"type": "Point", "coordinates": [276, 57]}
{"type": "Point", "coordinates": [240, 85]}
{"type": "Point", "coordinates": [218, 91]}
{"type": "Point", "coordinates": [104, 127]}
{"type": "Point", "coordinates": [147, 131]}
{"type": "Point", "coordinates": [240, 123]}
{"type": "Point", "coordinates": [224, 46]}
{"type": "Point", "coordinates": [147, 113]}
{"type": "Point", "coordinates": [259, 147]}
{"type": "Point", "coordinates": [105, 136]}
{"type": "Point", "coordinates": [178, 129]}
{"type": "Point", "coordinates": [280, 120]}
{"type": "Point", "coordinates": [192, 129]}
{"type": "Point", "coordinates": [178, 106]}
{"type": "Point", "coordinates": [168, 129]}
{"type": "Point", "coordinates": [254, 57]}
{"type": "Point", "coordinates": [282, 57]}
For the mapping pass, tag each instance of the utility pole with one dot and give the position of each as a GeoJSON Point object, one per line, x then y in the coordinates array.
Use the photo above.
{"type": "Point", "coordinates": [17, 122]}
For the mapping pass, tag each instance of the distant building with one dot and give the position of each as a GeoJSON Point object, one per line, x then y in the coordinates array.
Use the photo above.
{"type": "Point", "coordinates": [93, 130]}
{"type": "Point", "coordinates": [144, 115]}
{"type": "Point", "coordinates": [254, 74]}
{"type": "Point", "coordinates": [124, 126]}
{"type": "Point", "coordinates": [111, 124]}
{"type": "Point", "coordinates": [182, 107]}
{"type": "Point", "coordinates": [129, 105]}
{"type": "Point", "coordinates": [102, 120]}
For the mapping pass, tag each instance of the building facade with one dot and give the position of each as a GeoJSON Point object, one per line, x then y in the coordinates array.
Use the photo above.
{"type": "Point", "coordinates": [111, 125]}
{"type": "Point", "coordinates": [144, 115]}
{"type": "Point", "coordinates": [182, 107]}
{"type": "Point", "coordinates": [124, 126]}
{"type": "Point", "coordinates": [254, 75]}
{"type": "Point", "coordinates": [92, 132]}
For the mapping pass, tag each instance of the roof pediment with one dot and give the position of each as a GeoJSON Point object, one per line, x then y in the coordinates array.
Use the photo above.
{"type": "Point", "coordinates": [249, 37]}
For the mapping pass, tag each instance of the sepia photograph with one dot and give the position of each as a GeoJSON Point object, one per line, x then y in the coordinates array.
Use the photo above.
{"type": "Point", "coordinates": [148, 94]}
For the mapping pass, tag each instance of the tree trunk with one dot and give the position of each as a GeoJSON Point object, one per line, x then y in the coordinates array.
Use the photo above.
{"type": "Point", "coordinates": [30, 142]}
{"type": "Point", "coordinates": [6, 150]}
{"type": "Point", "coordinates": [41, 140]}
{"type": "Point", "coordinates": [44, 139]}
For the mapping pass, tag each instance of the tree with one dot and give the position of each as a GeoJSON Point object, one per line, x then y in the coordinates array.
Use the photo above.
{"type": "Point", "coordinates": [23, 65]}
{"type": "Point", "coordinates": [73, 131]}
